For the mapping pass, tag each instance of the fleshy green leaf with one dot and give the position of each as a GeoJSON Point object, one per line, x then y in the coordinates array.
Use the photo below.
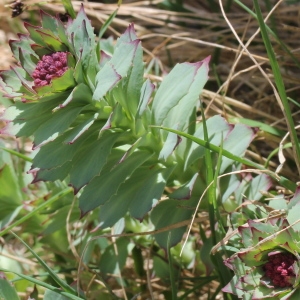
{"type": "Point", "coordinates": [169, 146]}
{"type": "Point", "coordinates": [55, 153]}
{"type": "Point", "coordinates": [51, 41]}
{"type": "Point", "coordinates": [217, 128]}
{"type": "Point", "coordinates": [7, 291]}
{"type": "Point", "coordinates": [91, 157]}
{"type": "Point", "coordinates": [257, 186]}
{"type": "Point", "coordinates": [293, 217]}
{"type": "Point", "coordinates": [171, 106]}
{"type": "Point", "coordinates": [184, 192]}
{"type": "Point", "coordinates": [81, 33]}
{"type": "Point", "coordinates": [146, 92]}
{"type": "Point", "coordinates": [166, 213]}
{"type": "Point", "coordinates": [266, 293]}
{"type": "Point", "coordinates": [27, 85]}
{"type": "Point", "coordinates": [73, 26]}
{"type": "Point", "coordinates": [50, 295]}
{"type": "Point", "coordinates": [123, 57]}
{"type": "Point", "coordinates": [236, 142]}
{"type": "Point", "coordinates": [103, 187]}
{"type": "Point", "coordinates": [135, 81]}
{"type": "Point", "coordinates": [57, 173]}
{"type": "Point", "coordinates": [11, 84]}
{"type": "Point", "coordinates": [132, 196]}
{"type": "Point", "coordinates": [24, 53]}
{"type": "Point", "coordinates": [295, 200]}
{"type": "Point", "coordinates": [63, 117]}
{"type": "Point", "coordinates": [105, 80]}
{"type": "Point", "coordinates": [36, 33]}
{"type": "Point", "coordinates": [26, 118]}
{"type": "Point", "coordinates": [80, 129]}
{"type": "Point", "coordinates": [149, 191]}
{"type": "Point", "coordinates": [55, 26]}
{"type": "Point", "coordinates": [58, 123]}
{"type": "Point", "coordinates": [128, 36]}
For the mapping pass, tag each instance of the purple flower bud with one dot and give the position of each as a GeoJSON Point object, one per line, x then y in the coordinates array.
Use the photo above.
{"type": "Point", "coordinates": [279, 269]}
{"type": "Point", "coordinates": [50, 66]}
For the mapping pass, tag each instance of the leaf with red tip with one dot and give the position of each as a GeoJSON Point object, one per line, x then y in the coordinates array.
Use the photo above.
{"type": "Point", "coordinates": [51, 41]}
{"type": "Point", "coordinates": [58, 173]}
{"type": "Point", "coordinates": [105, 79]}
{"type": "Point", "coordinates": [34, 35]}
{"type": "Point", "coordinates": [12, 84]}
{"type": "Point", "coordinates": [60, 121]}
{"type": "Point", "coordinates": [127, 52]}
{"type": "Point", "coordinates": [185, 191]}
{"type": "Point", "coordinates": [128, 36]}
{"type": "Point", "coordinates": [173, 106]}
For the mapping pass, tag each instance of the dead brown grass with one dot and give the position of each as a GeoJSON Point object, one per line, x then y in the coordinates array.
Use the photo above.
{"type": "Point", "coordinates": [173, 37]}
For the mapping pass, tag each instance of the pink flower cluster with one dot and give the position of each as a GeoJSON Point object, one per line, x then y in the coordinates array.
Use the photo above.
{"type": "Point", "coordinates": [50, 66]}
{"type": "Point", "coordinates": [279, 269]}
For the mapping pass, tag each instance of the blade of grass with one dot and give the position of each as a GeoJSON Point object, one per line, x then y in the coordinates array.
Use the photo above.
{"type": "Point", "coordinates": [214, 217]}
{"type": "Point", "coordinates": [272, 19]}
{"type": "Point", "coordinates": [53, 275]}
{"type": "Point", "coordinates": [279, 84]}
{"type": "Point", "coordinates": [209, 179]}
{"type": "Point", "coordinates": [18, 154]}
{"type": "Point", "coordinates": [275, 151]}
{"type": "Point", "coordinates": [213, 207]}
{"type": "Point", "coordinates": [107, 23]}
{"type": "Point", "coordinates": [43, 284]}
{"type": "Point", "coordinates": [34, 211]}
{"type": "Point", "coordinates": [283, 181]}
{"type": "Point", "coordinates": [294, 102]}
{"type": "Point", "coordinates": [223, 271]}
{"type": "Point", "coordinates": [69, 8]}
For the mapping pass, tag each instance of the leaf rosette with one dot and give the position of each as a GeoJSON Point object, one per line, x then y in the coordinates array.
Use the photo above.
{"type": "Point", "coordinates": [268, 265]}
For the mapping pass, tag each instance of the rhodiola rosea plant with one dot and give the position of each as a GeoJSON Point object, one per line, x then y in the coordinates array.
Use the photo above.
{"type": "Point", "coordinates": [92, 116]}
{"type": "Point", "coordinates": [95, 120]}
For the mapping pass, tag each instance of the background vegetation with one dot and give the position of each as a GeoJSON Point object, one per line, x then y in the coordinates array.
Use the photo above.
{"type": "Point", "coordinates": [242, 88]}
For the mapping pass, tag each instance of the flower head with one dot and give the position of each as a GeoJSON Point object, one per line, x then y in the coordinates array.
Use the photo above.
{"type": "Point", "coordinates": [50, 66]}
{"type": "Point", "coordinates": [279, 269]}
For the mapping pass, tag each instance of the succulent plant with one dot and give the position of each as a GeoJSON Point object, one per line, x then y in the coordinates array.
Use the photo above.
{"type": "Point", "coordinates": [90, 111]}
{"type": "Point", "coordinates": [268, 265]}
